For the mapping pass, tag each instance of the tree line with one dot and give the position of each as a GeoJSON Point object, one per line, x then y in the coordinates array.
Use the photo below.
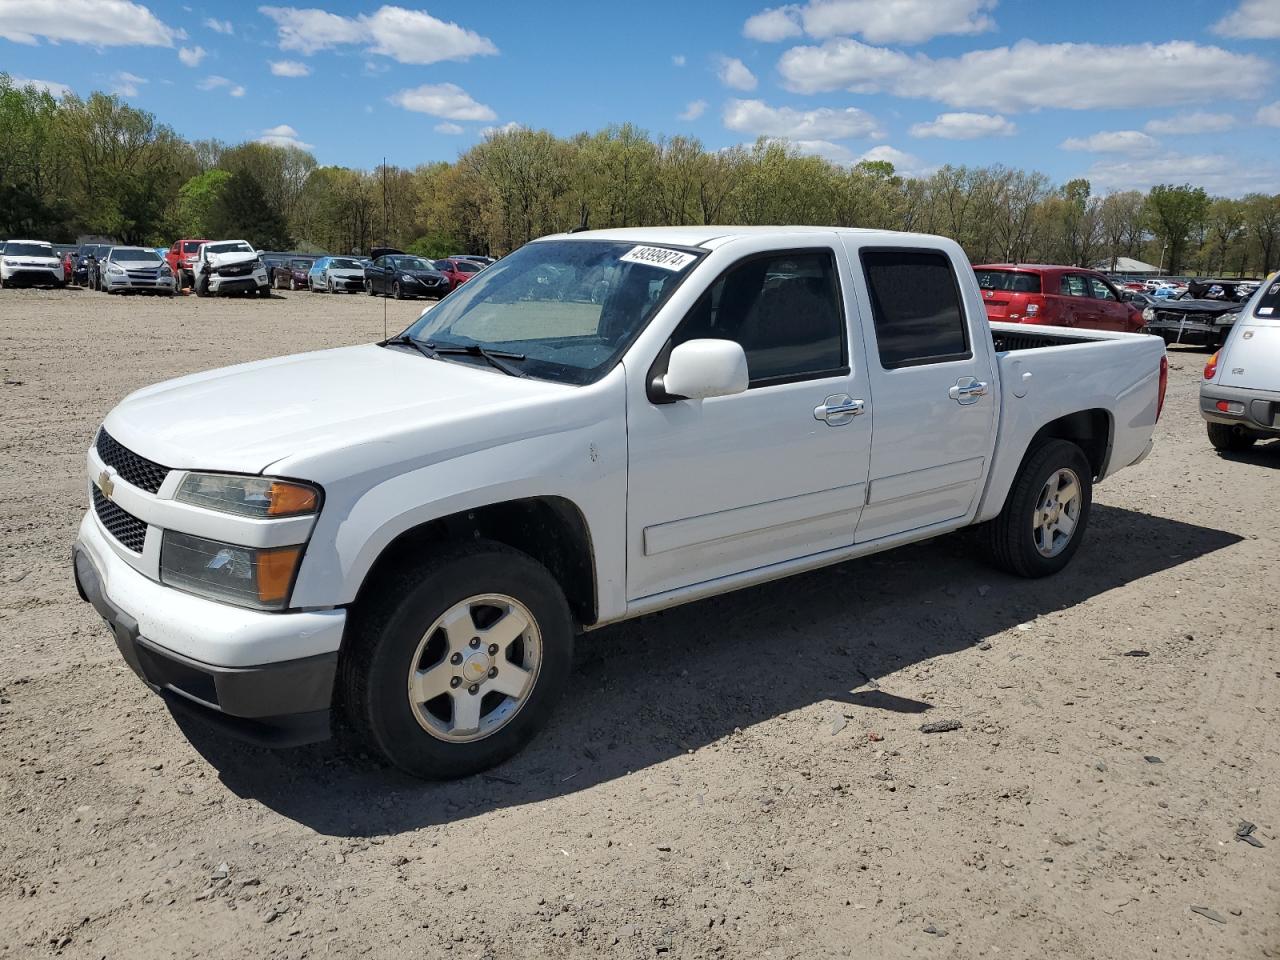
{"type": "Point", "coordinates": [96, 166]}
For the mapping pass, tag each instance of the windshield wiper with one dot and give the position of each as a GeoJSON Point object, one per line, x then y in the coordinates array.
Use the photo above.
{"type": "Point", "coordinates": [494, 358]}
{"type": "Point", "coordinates": [404, 340]}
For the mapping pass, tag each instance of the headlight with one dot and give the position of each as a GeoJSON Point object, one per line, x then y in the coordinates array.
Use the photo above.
{"type": "Point", "coordinates": [166, 271]}
{"type": "Point", "coordinates": [246, 576]}
{"type": "Point", "coordinates": [406, 278]}
{"type": "Point", "coordinates": [248, 496]}
{"type": "Point", "coordinates": [1148, 314]}
{"type": "Point", "coordinates": [112, 268]}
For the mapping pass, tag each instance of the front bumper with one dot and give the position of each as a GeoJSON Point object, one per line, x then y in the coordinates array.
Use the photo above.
{"type": "Point", "coordinates": [1191, 331]}
{"type": "Point", "coordinates": [238, 284]}
{"type": "Point", "coordinates": [1259, 410]}
{"type": "Point", "coordinates": [159, 285]}
{"type": "Point", "coordinates": [32, 276]}
{"type": "Point", "coordinates": [284, 702]}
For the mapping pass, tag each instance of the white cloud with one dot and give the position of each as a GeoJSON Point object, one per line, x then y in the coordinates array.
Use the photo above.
{"type": "Point", "coordinates": [191, 56]}
{"type": "Point", "coordinates": [446, 100]}
{"type": "Point", "coordinates": [879, 21]}
{"type": "Point", "coordinates": [452, 129]}
{"type": "Point", "coordinates": [1217, 173]}
{"type": "Point", "coordinates": [99, 23]}
{"type": "Point", "coordinates": [1252, 20]}
{"type": "Point", "coordinates": [694, 110]}
{"type": "Point", "coordinates": [825, 149]}
{"type": "Point", "coordinates": [510, 127]}
{"type": "Point", "coordinates": [733, 73]}
{"type": "Point", "coordinates": [823, 123]}
{"type": "Point", "coordinates": [678, 60]}
{"type": "Point", "coordinates": [219, 26]}
{"type": "Point", "coordinates": [906, 164]}
{"type": "Point", "coordinates": [215, 82]}
{"type": "Point", "coordinates": [52, 87]}
{"type": "Point", "coordinates": [282, 135]}
{"type": "Point", "coordinates": [1029, 75]}
{"type": "Point", "coordinates": [125, 84]}
{"type": "Point", "coordinates": [770, 26]}
{"type": "Point", "coordinates": [289, 68]}
{"type": "Point", "coordinates": [1268, 116]}
{"type": "Point", "coordinates": [964, 126]}
{"type": "Point", "coordinates": [408, 36]}
{"type": "Point", "coordinates": [1113, 141]}
{"type": "Point", "coordinates": [1196, 122]}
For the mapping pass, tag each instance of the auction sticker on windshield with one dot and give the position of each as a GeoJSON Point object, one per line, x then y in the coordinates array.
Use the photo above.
{"type": "Point", "coordinates": [659, 257]}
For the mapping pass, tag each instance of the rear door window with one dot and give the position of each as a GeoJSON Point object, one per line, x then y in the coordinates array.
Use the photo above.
{"type": "Point", "coordinates": [915, 304]}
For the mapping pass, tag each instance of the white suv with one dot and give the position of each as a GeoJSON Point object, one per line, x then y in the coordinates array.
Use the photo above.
{"type": "Point", "coordinates": [229, 266]}
{"type": "Point", "coordinates": [30, 262]}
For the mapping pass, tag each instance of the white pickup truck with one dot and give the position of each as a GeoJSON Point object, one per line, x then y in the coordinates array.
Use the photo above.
{"type": "Point", "coordinates": [408, 535]}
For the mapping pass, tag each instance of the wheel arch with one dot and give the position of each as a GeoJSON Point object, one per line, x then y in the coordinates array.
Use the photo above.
{"type": "Point", "coordinates": [550, 529]}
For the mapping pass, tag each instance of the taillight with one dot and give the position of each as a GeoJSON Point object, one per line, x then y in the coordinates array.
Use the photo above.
{"type": "Point", "coordinates": [1164, 384]}
{"type": "Point", "coordinates": [1035, 309]}
{"type": "Point", "coordinates": [1211, 367]}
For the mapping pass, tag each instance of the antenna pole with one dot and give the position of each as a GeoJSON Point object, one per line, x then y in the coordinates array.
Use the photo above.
{"type": "Point", "coordinates": [384, 242]}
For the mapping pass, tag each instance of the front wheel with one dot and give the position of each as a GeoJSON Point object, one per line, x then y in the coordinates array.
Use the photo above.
{"type": "Point", "coordinates": [454, 665]}
{"type": "Point", "coordinates": [396, 291]}
{"type": "Point", "coordinates": [1229, 438]}
{"type": "Point", "coordinates": [1045, 516]}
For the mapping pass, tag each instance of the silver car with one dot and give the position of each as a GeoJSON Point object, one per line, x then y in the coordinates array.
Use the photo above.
{"type": "Point", "coordinates": [1240, 393]}
{"type": "Point", "coordinates": [136, 270]}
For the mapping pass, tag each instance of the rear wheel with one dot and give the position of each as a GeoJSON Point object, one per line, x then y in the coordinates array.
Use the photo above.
{"type": "Point", "coordinates": [453, 666]}
{"type": "Point", "coordinates": [1229, 438]}
{"type": "Point", "coordinates": [1046, 514]}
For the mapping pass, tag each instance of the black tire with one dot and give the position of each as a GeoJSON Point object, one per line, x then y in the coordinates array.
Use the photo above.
{"type": "Point", "coordinates": [202, 287]}
{"type": "Point", "coordinates": [388, 627]}
{"type": "Point", "coordinates": [368, 287]}
{"type": "Point", "coordinates": [396, 291]}
{"type": "Point", "coordinates": [1009, 540]}
{"type": "Point", "coordinates": [293, 283]}
{"type": "Point", "coordinates": [1229, 438]}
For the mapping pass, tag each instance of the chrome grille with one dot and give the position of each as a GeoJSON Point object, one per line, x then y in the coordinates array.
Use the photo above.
{"type": "Point", "coordinates": [124, 526]}
{"type": "Point", "coordinates": [133, 469]}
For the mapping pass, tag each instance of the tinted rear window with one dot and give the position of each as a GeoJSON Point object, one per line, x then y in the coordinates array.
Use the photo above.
{"type": "Point", "coordinates": [916, 307]}
{"type": "Point", "coordinates": [1009, 280]}
{"type": "Point", "coordinates": [1269, 302]}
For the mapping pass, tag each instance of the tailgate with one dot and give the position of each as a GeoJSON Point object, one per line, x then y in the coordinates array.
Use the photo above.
{"type": "Point", "coordinates": [1253, 360]}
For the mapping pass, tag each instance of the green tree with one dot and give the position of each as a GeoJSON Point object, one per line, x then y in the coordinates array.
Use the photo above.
{"type": "Point", "coordinates": [196, 200]}
{"type": "Point", "coordinates": [1172, 213]}
{"type": "Point", "coordinates": [241, 211]}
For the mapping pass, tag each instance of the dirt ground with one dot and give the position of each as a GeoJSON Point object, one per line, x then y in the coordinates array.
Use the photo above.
{"type": "Point", "coordinates": [743, 777]}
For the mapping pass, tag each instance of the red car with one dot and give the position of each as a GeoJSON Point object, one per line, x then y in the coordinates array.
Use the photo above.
{"type": "Point", "coordinates": [181, 259]}
{"type": "Point", "coordinates": [1055, 296]}
{"type": "Point", "coordinates": [458, 271]}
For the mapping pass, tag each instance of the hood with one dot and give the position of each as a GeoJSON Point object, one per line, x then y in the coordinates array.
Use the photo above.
{"type": "Point", "coordinates": [139, 264]}
{"type": "Point", "coordinates": [231, 257]}
{"type": "Point", "coordinates": [1208, 307]}
{"type": "Point", "coordinates": [242, 419]}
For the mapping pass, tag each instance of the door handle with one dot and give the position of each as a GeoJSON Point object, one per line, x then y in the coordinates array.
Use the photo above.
{"type": "Point", "coordinates": [967, 390]}
{"type": "Point", "coordinates": [838, 408]}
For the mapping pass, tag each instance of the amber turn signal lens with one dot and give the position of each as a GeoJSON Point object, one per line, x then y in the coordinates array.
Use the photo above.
{"type": "Point", "coordinates": [275, 573]}
{"type": "Point", "coordinates": [288, 499]}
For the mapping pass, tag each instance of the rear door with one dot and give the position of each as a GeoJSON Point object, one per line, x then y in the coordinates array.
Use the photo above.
{"type": "Point", "coordinates": [935, 398]}
{"type": "Point", "coordinates": [1075, 307]}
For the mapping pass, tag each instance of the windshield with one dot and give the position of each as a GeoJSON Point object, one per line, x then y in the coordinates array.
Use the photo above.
{"type": "Point", "coordinates": [569, 306]}
{"type": "Point", "coordinates": [191, 246]}
{"type": "Point", "coordinates": [410, 263]}
{"type": "Point", "coordinates": [234, 246]}
{"type": "Point", "coordinates": [27, 250]}
{"type": "Point", "coordinates": [134, 254]}
{"type": "Point", "coordinates": [300, 264]}
{"type": "Point", "coordinates": [466, 266]}
{"type": "Point", "coordinates": [343, 263]}
{"type": "Point", "coordinates": [1009, 280]}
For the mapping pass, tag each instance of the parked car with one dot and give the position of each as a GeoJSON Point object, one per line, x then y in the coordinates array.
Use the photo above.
{"type": "Point", "coordinates": [85, 263]}
{"type": "Point", "coordinates": [229, 266]}
{"type": "Point", "coordinates": [292, 274]}
{"type": "Point", "coordinates": [336, 275]}
{"type": "Point", "coordinates": [404, 276]}
{"type": "Point", "coordinates": [457, 270]}
{"type": "Point", "coordinates": [1240, 392]}
{"type": "Point", "coordinates": [600, 426]}
{"type": "Point", "coordinates": [137, 270]}
{"type": "Point", "coordinates": [30, 263]}
{"type": "Point", "coordinates": [1056, 296]}
{"type": "Point", "coordinates": [181, 258]}
{"type": "Point", "coordinates": [473, 257]}
{"type": "Point", "coordinates": [1202, 316]}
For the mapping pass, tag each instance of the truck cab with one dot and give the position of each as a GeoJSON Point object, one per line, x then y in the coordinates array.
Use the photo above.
{"type": "Point", "coordinates": [598, 426]}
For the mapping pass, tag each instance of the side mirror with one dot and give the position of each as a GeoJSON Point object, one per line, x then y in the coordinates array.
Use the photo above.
{"type": "Point", "coordinates": [701, 369]}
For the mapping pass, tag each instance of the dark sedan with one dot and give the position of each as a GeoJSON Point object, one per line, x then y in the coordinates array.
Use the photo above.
{"type": "Point", "coordinates": [292, 274]}
{"type": "Point", "coordinates": [403, 276]}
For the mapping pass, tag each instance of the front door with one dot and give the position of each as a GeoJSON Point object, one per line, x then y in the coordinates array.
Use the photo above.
{"type": "Point", "coordinates": [721, 486]}
{"type": "Point", "coordinates": [935, 395]}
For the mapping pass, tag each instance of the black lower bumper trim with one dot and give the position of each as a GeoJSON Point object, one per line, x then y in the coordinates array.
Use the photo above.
{"type": "Point", "coordinates": [274, 704]}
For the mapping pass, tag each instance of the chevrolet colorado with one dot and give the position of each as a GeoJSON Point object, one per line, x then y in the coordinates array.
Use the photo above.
{"type": "Point", "coordinates": [408, 535]}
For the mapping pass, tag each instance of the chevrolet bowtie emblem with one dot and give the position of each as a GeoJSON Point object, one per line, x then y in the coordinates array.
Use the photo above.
{"type": "Point", "coordinates": [105, 484]}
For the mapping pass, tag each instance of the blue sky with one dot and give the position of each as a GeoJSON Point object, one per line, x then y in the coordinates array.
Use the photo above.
{"type": "Point", "coordinates": [1125, 93]}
